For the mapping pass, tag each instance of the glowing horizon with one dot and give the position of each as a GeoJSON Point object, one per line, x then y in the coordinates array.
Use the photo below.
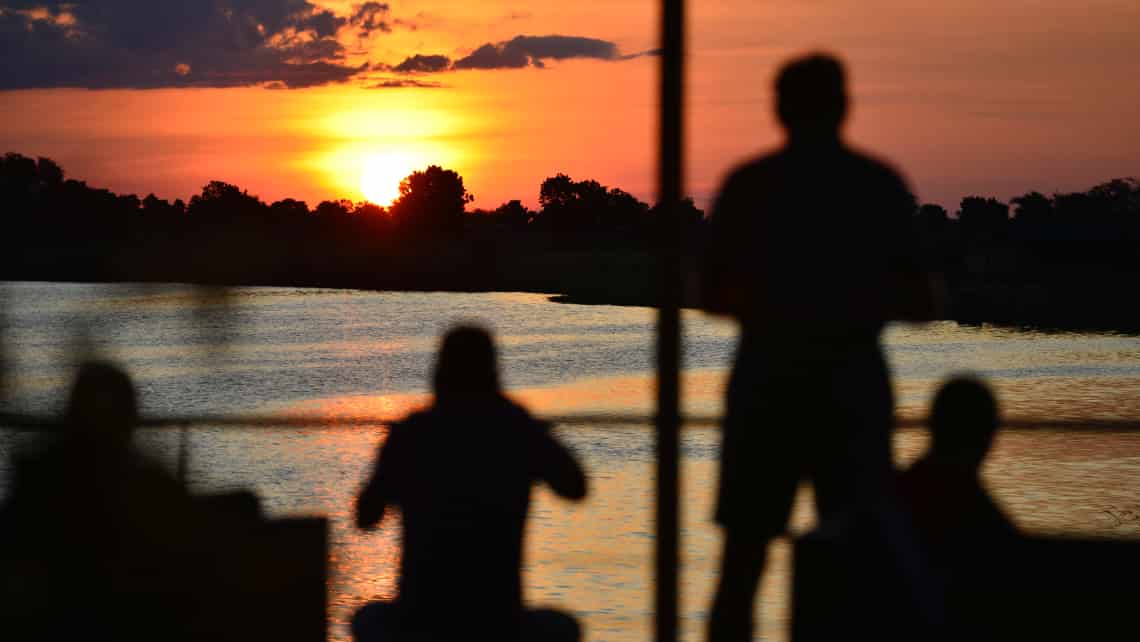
{"type": "Point", "coordinates": [962, 104]}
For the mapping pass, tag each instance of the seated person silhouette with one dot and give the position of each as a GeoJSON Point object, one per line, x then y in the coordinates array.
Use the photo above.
{"type": "Point", "coordinates": [94, 533]}
{"type": "Point", "coordinates": [967, 540]}
{"type": "Point", "coordinates": [943, 490]}
{"type": "Point", "coordinates": [461, 473]}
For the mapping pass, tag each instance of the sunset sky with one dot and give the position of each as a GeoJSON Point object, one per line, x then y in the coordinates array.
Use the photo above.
{"type": "Point", "coordinates": [296, 98]}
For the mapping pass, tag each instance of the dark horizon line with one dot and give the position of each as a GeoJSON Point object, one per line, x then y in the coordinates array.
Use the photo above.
{"type": "Point", "coordinates": [952, 214]}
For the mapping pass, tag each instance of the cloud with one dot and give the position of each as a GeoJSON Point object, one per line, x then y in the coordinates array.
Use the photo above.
{"type": "Point", "coordinates": [101, 44]}
{"type": "Point", "coordinates": [522, 51]}
{"type": "Point", "coordinates": [369, 17]}
{"type": "Point", "coordinates": [420, 63]}
{"type": "Point", "coordinates": [519, 52]}
{"type": "Point", "coordinates": [640, 54]}
{"type": "Point", "coordinates": [145, 44]}
{"type": "Point", "coordinates": [400, 83]}
{"type": "Point", "coordinates": [324, 24]}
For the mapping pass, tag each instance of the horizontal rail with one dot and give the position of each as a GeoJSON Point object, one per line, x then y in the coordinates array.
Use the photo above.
{"type": "Point", "coordinates": [38, 423]}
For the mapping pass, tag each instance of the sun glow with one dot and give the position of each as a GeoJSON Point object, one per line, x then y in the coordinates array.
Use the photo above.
{"type": "Point", "coordinates": [381, 175]}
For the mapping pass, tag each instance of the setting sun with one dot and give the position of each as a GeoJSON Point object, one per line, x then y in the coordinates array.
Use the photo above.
{"type": "Point", "coordinates": [381, 175]}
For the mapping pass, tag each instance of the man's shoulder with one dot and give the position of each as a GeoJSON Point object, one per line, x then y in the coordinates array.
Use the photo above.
{"type": "Point", "coordinates": [874, 166]}
{"type": "Point", "coordinates": [758, 165]}
{"type": "Point", "coordinates": [502, 409]}
{"type": "Point", "coordinates": [411, 425]}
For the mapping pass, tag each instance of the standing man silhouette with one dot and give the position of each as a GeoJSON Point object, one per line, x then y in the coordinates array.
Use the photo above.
{"type": "Point", "coordinates": [811, 249]}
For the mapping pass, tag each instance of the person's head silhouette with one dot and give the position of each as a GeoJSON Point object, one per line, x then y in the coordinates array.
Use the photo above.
{"type": "Point", "coordinates": [466, 367]}
{"type": "Point", "coordinates": [963, 422]}
{"type": "Point", "coordinates": [103, 407]}
{"type": "Point", "coordinates": [811, 98]}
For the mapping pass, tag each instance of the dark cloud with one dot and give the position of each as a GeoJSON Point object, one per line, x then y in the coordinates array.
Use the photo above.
{"type": "Point", "coordinates": [371, 16]}
{"type": "Point", "coordinates": [420, 63]}
{"type": "Point", "coordinates": [144, 43]}
{"type": "Point", "coordinates": [492, 56]}
{"type": "Point", "coordinates": [647, 52]}
{"type": "Point", "coordinates": [307, 51]}
{"type": "Point", "coordinates": [519, 52]}
{"type": "Point", "coordinates": [522, 51]}
{"type": "Point", "coordinates": [324, 24]}
{"type": "Point", "coordinates": [400, 83]}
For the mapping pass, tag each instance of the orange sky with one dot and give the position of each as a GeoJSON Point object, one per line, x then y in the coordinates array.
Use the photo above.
{"type": "Point", "coordinates": [966, 97]}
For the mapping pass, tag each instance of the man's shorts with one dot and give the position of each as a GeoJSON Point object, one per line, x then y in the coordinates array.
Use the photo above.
{"type": "Point", "coordinates": [825, 417]}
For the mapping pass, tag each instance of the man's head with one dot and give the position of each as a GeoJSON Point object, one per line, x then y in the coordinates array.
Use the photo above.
{"type": "Point", "coordinates": [811, 97]}
{"type": "Point", "coordinates": [102, 406]}
{"type": "Point", "coordinates": [466, 366]}
{"type": "Point", "coordinates": [963, 422]}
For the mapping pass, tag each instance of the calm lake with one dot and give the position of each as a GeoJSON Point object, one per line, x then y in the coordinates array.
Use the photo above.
{"type": "Point", "coordinates": [267, 350]}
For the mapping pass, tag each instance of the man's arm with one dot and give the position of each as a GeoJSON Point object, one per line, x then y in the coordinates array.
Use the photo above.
{"type": "Point", "coordinates": [557, 467]}
{"type": "Point", "coordinates": [379, 492]}
{"type": "Point", "coordinates": [919, 293]}
{"type": "Point", "coordinates": [725, 289]}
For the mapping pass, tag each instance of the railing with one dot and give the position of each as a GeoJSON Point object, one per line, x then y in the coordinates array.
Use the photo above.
{"type": "Point", "coordinates": [38, 423]}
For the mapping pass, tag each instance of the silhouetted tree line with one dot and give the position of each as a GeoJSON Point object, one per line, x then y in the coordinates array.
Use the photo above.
{"type": "Point", "coordinates": [1068, 259]}
{"type": "Point", "coordinates": [62, 228]}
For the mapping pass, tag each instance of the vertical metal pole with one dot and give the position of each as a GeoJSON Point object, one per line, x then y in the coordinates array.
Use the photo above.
{"type": "Point", "coordinates": [669, 321]}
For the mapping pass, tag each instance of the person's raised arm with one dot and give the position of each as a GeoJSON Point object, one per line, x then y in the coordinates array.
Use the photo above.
{"type": "Point", "coordinates": [380, 491]}
{"type": "Point", "coordinates": [556, 466]}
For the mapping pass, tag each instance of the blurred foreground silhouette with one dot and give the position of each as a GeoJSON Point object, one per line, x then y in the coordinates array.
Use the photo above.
{"type": "Point", "coordinates": [967, 573]}
{"type": "Point", "coordinates": [461, 474]}
{"type": "Point", "coordinates": [98, 542]}
{"type": "Point", "coordinates": [954, 515]}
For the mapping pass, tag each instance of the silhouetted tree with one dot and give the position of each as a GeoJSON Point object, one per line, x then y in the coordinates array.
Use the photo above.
{"type": "Point", "coordinates": [154, 206]}
{"type": "Point", "coordinates": [129, 203]}
{"type": "Point", "coordinates": [586, 213]}
{"type": "Point", "coordinates": [624, 209]}
{"type": "Point", "coordinates": [983, 218]}
{"type": "Point", "coordinates": [932, 215]}
{"type": "Point", "coordinates": [364, 208]}
{"type": "Point", "coordinates": [513, 214]}
{"type": "Point", "coordinates": [62, 228]}
{"type": "Point", "coordinates": [49, 171]}
{"type": "Point", "coordinates": [19, 172]}
{"type": "Point", "coordinates": [372, 224]}
{"type": "Point", "coordinates": [339, 209]}
{"type": "Point", "coordinates": [431, 204]}
{"type": "Point", "coordinates": [557, 191]}
{"type": "Point", "coordinates": [220, 201]}
{"type": "Point", "coordinates": [570, 209]}
{"type": "Point", "coordinates": [289, 210]}
{"type": "Point", "coordinates": [1032, 208]}
{"type": "Point", "coordinates": [690, 217]}
{"type": "Point", "coordinates": [1120, 197]}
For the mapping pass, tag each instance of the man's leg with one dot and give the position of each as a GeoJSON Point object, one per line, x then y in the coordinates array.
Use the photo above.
{"type": "Point", "coordinates": [742, 563]}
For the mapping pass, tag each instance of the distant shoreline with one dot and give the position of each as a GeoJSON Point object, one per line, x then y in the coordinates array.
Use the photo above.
{"type": "Point", "coordinates": [968, 312]}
